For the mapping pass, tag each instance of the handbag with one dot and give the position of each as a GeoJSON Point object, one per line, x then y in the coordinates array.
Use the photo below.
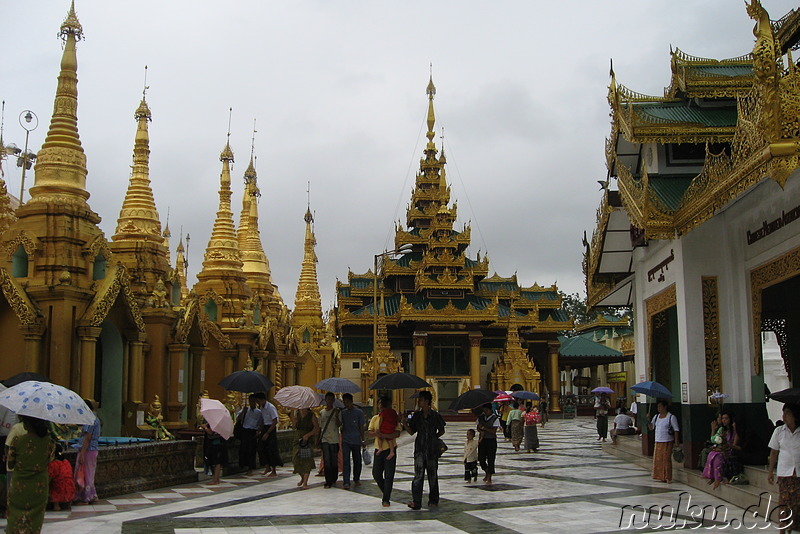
{"type": "Point", "coordinates": [677, 454]}
{"type": "Point", "coordinates": [304, 450]}
{"type": "Point", "coordinates": [366, 456]}
{"type": "Point", "coordinates": [441, 447]}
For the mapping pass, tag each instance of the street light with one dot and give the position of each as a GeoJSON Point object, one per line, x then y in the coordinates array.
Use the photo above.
{"type": "Point", "coordinates": [376, 309]}
{"type": "Point", "coordinates": [29, 122]}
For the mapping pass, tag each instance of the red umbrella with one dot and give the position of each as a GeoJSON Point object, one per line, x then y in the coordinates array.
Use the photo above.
{"type": "Point", "coordinates": [503, 397]}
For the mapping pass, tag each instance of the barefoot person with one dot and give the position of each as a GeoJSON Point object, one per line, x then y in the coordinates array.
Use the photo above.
{"type": "Point", "coordinates": [268, 454]}
{"type": "Point", "coordinates": [303, 459]}
{"type": "Point", "coordinates": [428, 425]}
{"type": "Point", "coordinates": [353, 423]}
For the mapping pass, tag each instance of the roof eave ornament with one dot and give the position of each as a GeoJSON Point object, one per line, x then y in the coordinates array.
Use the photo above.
{"type": "Point", "coordinates": [71, 25]}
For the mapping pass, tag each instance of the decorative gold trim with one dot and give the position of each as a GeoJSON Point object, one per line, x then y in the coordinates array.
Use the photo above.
{"type": "Point", "coordinates": [711, 335]}
{"type": "Point", "coordinates": [106, 296]}
{"type": "Point", "coordinates": [780, 269]}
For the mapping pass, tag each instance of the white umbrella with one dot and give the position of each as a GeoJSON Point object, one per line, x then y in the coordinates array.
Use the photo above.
{"type": "Point", "coordinates": [297, 397]}
{"type": "Point", "coordinates": [47, 401]}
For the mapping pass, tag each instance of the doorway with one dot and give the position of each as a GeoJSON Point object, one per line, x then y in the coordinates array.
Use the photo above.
{"type": "Point", "coordinates": [109, 354]}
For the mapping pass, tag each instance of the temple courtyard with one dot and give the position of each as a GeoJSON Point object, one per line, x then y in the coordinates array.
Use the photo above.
{"type": "Point", "coordinates": [569, 486]}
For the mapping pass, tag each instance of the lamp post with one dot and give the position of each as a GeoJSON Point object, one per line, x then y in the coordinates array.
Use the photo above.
{"type": "Point", "coordinates": [29, 122]}
{"type": "Point", "coordinates": [376, 308]}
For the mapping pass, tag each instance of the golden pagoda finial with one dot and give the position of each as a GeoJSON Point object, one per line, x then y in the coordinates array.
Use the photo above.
{"type": "Point", "coordinates": [138, 219]}
{"type": "Point", "coordinates": [61, 163]}
{"type": "Point", "coordinates": [431, 92]}
{"type": "Point", "coordinates": [71, 25]}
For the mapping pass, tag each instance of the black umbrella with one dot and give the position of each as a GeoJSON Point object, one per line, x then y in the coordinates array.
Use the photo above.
{"type": "Point", "coordinates": [246, 382]}
{"type": "Point", "coordinates": [24, 377]}
{"type": "Point", "coordinates": [472, 399]}
{"type": "Point", "coordinates": [399, 381]}
{"type": "Point", "coordinates": [787, 395]}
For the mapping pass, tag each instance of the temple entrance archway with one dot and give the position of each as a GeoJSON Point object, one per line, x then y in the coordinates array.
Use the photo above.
{"type": "Point", "coordinates": [109, 365]}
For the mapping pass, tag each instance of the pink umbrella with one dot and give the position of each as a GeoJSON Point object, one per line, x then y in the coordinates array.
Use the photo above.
{"type": "Point", "coordinates": [217, 416]}
{"type": "Point", "coordinates": [503, 397]}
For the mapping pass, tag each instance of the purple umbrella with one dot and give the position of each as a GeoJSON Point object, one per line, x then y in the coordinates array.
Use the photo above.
{"type": "Point", "coordinates": [603, 389]}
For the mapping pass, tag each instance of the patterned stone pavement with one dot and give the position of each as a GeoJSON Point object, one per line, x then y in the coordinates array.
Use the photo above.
{"type": "Point", "coordinates": [569, 486]}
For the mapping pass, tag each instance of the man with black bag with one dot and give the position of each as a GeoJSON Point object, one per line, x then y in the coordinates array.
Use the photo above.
{"type": "Point", "coordinates": [428, 425]}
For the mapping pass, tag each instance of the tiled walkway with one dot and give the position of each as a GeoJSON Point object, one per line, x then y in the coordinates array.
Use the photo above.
{"type": "Point", "coordinates": [569, 486]}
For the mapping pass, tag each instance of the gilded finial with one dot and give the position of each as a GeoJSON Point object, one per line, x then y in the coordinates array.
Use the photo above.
{"type": "Point", "coordinates": [227, 153]}
{"type": "Point", "coordinates": [143, 111]}
{"type": "Point", "coordinates": [308, 217]}
{"type": "Point", "coordinates": [71, 25]}
{"type": "Point", "coordinates": [431, 92]}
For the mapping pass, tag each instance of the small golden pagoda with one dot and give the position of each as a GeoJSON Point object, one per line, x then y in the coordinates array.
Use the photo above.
{"type": "Point", "coordinates": [430, 310]}
{"type": "Point", "coordinates": [309, 334]}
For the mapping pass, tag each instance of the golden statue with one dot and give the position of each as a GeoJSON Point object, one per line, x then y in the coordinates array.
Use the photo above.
{"type": "Point", "coordinates": [155, 419]}
{"type": "Point", "coordinates": [160, 295]}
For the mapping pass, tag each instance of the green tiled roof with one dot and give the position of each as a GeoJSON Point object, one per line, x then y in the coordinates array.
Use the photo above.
{"type": "Point", "coordinates": [390, 306]}
{"type": "Point", "coordinates": [538, 295]}
{"type": "Point", "coordinates": [505, 311]}
{"type": "Point", "coordinates": [405, 259]}
{"type": "Point", "coordinates": [470, 263]}
{"type": "Point", "coordinates": [580, 347]}
{"type": "Point", "coordinates": [670, 189]}
{"type": "Point", "coordinates": [414, 231]}
{"type": "Point", "coordinates": [497, 286]}
{"type": "Point", "coordinates": [725, 70]}
{"type": "Point", "coordinates": [684, 112]}
{"type": "Point", "coordinates": [558, 315]}
{"type": "Point", "coordinates": [361, 283]}
{"type": "Point", "coordinates": [356, 344]}
{"type": "Point", "coordinates": [344, 291]}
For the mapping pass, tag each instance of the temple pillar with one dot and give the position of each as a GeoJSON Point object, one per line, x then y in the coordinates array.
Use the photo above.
{"type": "Point", "coordinates": [137, 371]}
{"type": "Point", "coordinates": [475, 360]}
{"type": "Point", "coordinates": [568, 388]}
{"type": "Point", "coordinates": [88, 342]}
{"type": "Point", "coordinates": [420, 339]}
{"type": "Point", "coordinates": [290, 373]}
{"type": "Point", "coordinates": [176, 385]}
{"type": "Point", "coordinates": [554, 406]}
{"type": "Point", "coordinates": [594, 377]}
{"type": "Point", "coordinates": [229, 362]}
{"type": "Point", "coordinates": [32, 334]}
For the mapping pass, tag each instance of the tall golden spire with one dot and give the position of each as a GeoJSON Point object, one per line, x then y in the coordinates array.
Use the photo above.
{"type": "Point", "coordinates": [181, 267]}
{"type": "Point", "coordinates": [222, 252]}
{"type": "Point", "coordinates": [61, 163]}
{"type": "Point", "coordinates": [255, 262]}
{"type": "Point", "coordinates": [138, 218]}
{"type": "Point", "coordinates": [307, 304]}
{"type": "Point", "coordinates": [431, 92]}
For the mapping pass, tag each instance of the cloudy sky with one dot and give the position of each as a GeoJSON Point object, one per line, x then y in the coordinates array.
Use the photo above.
{"type": "Point", "coordinates": [338, 91]}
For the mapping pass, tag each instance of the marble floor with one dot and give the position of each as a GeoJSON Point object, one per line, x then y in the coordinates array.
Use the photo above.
{"type": "Point", "coordinates": [569, 486]}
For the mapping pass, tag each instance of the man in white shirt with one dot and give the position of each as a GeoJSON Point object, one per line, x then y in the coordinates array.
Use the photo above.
{"type": "Point", "coordinates": [785, 445]}
{"type": "Point", "coordinates": [623, 426]}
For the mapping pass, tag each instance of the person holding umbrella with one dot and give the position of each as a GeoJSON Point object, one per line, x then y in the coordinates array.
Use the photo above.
{"type": "Point", "coordinates": [307, 427]}
{"type": "Point", "coordinates": [667, 434]}
{"type": "Point", "coordinates": [29, 456]}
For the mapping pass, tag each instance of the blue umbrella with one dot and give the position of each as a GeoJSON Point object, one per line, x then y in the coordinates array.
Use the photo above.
{"type": "Point", "coordinates": [603, 389]}
{"type": "Point", "coordinates": [337, 385]}
{"type": "Point", "coordinates": [652, 389]}
{"type": "Point", "coordinates": [525, 395]}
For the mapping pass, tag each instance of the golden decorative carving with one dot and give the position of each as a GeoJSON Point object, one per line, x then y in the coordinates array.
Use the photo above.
{"type": "Point", "coordinates": [25, 310]}
{"type": "Point", "coordinates": [711, 335]}
{"type": "Point", "coordinates": [23, 238]}
{"type": "Point", "coordinates": [106, 295]}
{"type": "Point", "coordinates": [777, 270]}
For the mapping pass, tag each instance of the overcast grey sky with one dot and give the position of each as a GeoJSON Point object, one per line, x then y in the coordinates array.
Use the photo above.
{"type": "Point", "coordinates": [338, 90]}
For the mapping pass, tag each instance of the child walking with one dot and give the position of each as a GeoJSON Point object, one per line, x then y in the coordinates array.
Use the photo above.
{"type": "Point", "coordinates": [471, 457]}
{"type": "Point", "coordinates": [62, 484]}
{"type": "Point", "coordinates": [389, 419]}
